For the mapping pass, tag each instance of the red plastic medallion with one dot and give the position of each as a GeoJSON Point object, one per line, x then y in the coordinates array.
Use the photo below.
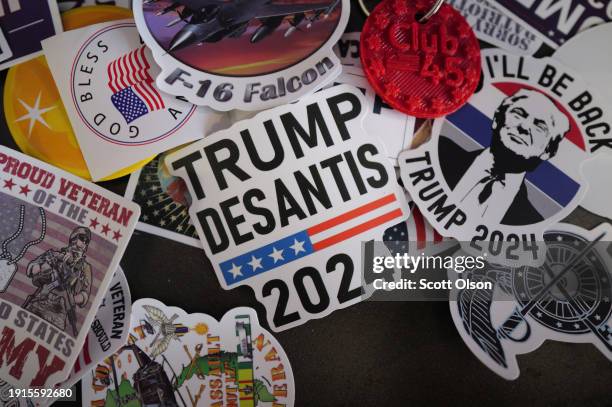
{"type": "Point", "coordinates": [425, 69]}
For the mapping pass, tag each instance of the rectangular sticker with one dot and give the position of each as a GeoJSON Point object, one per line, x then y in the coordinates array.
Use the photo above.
{"type": "Point", "coordinates": [556, 21]}
{"type": "Point", "coordinates": [298, 185]}
{"type": "Point", "coordinates": [61, 240]}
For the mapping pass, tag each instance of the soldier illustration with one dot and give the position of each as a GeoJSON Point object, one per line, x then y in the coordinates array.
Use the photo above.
{"type": "Point", "coordinates": [63, 281]}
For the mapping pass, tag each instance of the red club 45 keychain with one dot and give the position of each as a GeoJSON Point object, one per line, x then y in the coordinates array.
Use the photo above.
{"type": "Point", "coordinates": [422, 59]}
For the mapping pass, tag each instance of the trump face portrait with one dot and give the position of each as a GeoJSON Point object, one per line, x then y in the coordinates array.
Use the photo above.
{"type": "Point", "coordinates": [527, 127]}
{"type": "Point", "coordinates": [526, 130]}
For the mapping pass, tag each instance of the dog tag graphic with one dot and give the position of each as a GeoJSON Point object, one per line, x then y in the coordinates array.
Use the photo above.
{"type": "Point", "coordinates": [423, 63]}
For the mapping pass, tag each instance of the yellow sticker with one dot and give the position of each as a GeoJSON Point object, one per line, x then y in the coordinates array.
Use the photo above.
{"type": "Point", "coordinates": [34, 111]}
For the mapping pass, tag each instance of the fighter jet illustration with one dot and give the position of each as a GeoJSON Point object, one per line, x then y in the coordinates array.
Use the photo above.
{"type": "Point", "coordinates": [214, 20]}
{"type": "Point", "coordinates": [168, 330]}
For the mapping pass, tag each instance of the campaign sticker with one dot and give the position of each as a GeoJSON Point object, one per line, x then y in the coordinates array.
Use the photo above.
{"type": "Point", "coordinates": [173, 358]}
{"type": "Point", "coordinates": [118, 114]}
{"type": "Point", "coordinates": [567, 300]}
{"type": "Point", "coordinates": [507, 165]}
{"type": "Point", "coordinates": [23, 25]}
{"type": "Point", "coordinates": [282, 202]}
{"type": "Point", "coordinates": [393, 129]}
{"type": "Point", "coordinates": [498, 28]}
{"type": "Point", "coordinates": [243, 55]}
{"type": "Point", "coordinates": [556, 21]}
{"type": "Point", "coordinates": [62, 238]}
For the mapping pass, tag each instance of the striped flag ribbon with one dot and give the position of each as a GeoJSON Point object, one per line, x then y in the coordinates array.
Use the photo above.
{"type": "Point", "coordinates": [318, 237]}
{"type": "Point", "coordinates": [416, 230]}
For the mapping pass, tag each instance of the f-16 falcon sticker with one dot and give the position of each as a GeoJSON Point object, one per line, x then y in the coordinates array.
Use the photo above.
{"type": "Point", "coordinates": [242, 54]}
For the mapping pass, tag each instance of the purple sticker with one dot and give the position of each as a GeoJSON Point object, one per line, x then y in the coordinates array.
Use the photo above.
{"type": "Point", "coordinates": [557, 21]}
{"type": "Point", "coordinates": [24, 24]}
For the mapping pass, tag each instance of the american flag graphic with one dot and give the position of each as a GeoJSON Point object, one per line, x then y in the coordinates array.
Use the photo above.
{"type": "Point", "coordinates": [134, 94]}
{"type": "Point", "coordinates": [416, 229]}
{"type": "Point", "coordinates": [318, 237]}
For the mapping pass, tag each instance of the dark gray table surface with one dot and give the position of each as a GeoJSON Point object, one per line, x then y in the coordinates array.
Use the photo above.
{"type": "Point", "coordinates": [374, 353]}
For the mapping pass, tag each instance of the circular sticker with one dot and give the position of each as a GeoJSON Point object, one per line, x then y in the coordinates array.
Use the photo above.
{"type": "Point", "coordinates": [138, 114]}
{"type": "Point", "coordinates": [507, 165]}
{"type": "Point", "coordinates": [35, 113]}
{"type": "Point", "coordinates": [172, 358]}
{"type": "Point", "coordinates": [424, 69]}
{"type": "Point", "coordinates": [243, 55]}
{"type": "Point", "coordinates": [517, 308]}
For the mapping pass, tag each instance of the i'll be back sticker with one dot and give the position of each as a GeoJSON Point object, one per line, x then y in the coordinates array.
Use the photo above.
{"type": "Point", "coordinates": [507, 164]}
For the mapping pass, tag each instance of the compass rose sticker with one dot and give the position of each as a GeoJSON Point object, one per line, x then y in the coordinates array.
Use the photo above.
{"type": "Point", "coordinates": [567, 299]}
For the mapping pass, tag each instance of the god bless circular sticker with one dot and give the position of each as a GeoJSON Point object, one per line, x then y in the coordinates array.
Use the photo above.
{"type": "Point", "coordinates": [34, 111]}
{"type": "Point", "coordinates": [114, 93]}
{"type": "Point", "coordinates": [247, 55]}
{"type": "Point", "coordinates": [507, 165]}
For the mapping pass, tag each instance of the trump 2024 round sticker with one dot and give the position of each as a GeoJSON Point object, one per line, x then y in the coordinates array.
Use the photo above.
{"type": "Point", "coordinates": [507, 164]}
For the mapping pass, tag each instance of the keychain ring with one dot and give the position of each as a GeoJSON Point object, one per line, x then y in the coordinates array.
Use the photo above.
{"type": "Point", "coordinates": [433, 10]}
{"type": "Point", "coordinates": [363, 7]}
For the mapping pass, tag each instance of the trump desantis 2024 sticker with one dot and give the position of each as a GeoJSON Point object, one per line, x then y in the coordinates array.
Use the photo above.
{"type": "Point", "coordinates": [283, 201]}
{"type": "Point", "coordinates": [247, 55]}
{"type": "Point", "coordinates": [507, 165]}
